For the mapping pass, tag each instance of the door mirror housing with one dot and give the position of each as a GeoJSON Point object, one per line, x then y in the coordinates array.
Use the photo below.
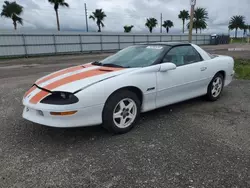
{"type": "Point", "coordinates": [167, 66]}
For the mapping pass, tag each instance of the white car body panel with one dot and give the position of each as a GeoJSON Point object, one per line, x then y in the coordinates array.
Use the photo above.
{"type": "Point", "coordinates": [179, 84]}
{"type": "Point", "coordinates": [157, 88]}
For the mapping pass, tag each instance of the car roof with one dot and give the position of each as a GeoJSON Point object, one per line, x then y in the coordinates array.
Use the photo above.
{"type": "Point", "coordinates": [167, 43]}
{"type": "Point", "coordinates": [171, 43]}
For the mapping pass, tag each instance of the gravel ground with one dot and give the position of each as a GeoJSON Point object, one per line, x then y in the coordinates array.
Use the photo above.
{"type": "Point", "coordinates": [191, 144]}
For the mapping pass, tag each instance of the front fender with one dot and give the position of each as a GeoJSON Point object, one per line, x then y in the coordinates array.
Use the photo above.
{"type": "Point", "coordinates": [143, 79]}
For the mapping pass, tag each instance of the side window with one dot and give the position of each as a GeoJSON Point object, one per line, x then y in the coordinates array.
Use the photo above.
{"type": "Point", "coordinates": [182, 55]}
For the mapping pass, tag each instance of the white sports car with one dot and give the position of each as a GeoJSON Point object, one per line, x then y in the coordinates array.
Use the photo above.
{"type": "Point", "coordinates": [114, 91]}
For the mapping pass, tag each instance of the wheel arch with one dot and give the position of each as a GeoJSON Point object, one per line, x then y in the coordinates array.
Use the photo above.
{"type": "Point", "coordinates": [209, 88]}
{"type": "Point", "coordinates": [133, 89]}
{"type": "Point", "coordinates": [223, 73]}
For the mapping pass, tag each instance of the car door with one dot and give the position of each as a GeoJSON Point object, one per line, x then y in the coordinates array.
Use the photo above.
{"type": "Point", "coordinates": [186, 81]}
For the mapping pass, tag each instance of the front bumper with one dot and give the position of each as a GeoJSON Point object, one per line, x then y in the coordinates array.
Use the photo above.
{"type": "Point", "coordinates": [83, 117]}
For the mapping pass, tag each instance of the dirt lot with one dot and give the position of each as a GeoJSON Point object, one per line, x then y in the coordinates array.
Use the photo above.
{"type": "Point", "coordinates": [240, 51]}
{"type": "Point", "coordinates": [192, 144]}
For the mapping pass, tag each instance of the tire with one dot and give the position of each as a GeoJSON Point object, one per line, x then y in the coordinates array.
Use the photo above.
{"type": "Point", "coordinates": [126, 106]}
{"type": "Point", "coordinates": [215, 87]}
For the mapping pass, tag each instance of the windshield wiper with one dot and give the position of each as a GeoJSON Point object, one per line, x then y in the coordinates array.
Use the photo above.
{"type": "Point", "coordinates": [114, 65]}
{"type": "Point", "coordinates": [107, 64]}
{"type": "Point", "coordinates": [97, 63]}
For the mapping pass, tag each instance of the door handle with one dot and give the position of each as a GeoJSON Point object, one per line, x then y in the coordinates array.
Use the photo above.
{"type": "Point", "coordinates": [203, 68]}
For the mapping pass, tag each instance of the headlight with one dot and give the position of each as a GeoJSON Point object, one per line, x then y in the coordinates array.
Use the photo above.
{"type": "Point", "coordinates": [60, 98]}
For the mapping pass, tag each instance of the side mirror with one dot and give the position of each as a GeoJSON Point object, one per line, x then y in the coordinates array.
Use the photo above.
{"type": "Point", "coordinates": [167, 66]}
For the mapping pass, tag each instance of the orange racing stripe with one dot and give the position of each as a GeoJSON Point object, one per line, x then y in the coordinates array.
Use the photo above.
{"type": "Point", "coordinates": [29, 91]}
{"type": "Point", "coordinates": [39, 96]}
{"type": "Point", "coordinates": [64, 71]}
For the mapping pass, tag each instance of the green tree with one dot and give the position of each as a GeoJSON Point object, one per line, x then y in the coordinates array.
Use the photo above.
{"type": "Point", "coordinates": [184, 15]}
{"type": "Point", "coordinates": [56, 4]}
{"type": "Point", "coordinates": [245, 28]}
{"type": "Point", "coordinates": [236, 22]}
{"type": "Point", "coordinates": [13, 11]}
{"type": "Point", "coordinates": [128, 28]}
{"type": "Point", "coordinates": [99, 16]}
{"type": "Point", "coordinates": [200, 19]}
{"type": "Point", "coordinates": [168, 24]}
{"type": "Point", "coordinates": [151, 23]}
{"type": "Point", "coordinates": [202, 25]}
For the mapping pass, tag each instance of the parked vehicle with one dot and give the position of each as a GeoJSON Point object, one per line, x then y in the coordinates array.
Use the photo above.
{"type": "Point", "coordinates": [113, 92]}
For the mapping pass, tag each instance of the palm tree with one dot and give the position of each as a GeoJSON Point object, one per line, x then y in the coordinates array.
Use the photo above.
{"type": "Point", "coordinates": [236, 22]}
{"type": "Point", "coordinates": [184, 15]}
{"type": "Point", "coordinates": [12, 10]}
{"type": "Point", "coordinates": [151, 23]}
{"type": "Point", "coordinates": [99, 16]}
{"type": "Point", "coordinates": [128, 28]}
{"type": "Point", "coordinates": [168, 24]}
{"type": "Point", "coordinates": [202, 25]}
{"type": "Point", "coordinates": [245, 28]}
{"type": "Point", "coordinates": [200, 18]}
{"type": "Point", "coordinates": [248, 28]}
{"type": "Point", "coordinates": [56, 4]}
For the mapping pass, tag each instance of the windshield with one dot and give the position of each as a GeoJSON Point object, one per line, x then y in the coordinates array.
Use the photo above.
{"type": "Point", "coordinates": [135, 56]}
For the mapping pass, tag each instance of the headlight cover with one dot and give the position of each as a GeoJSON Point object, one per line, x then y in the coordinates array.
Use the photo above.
{"type": "Point", "coordinates": [60, 98]}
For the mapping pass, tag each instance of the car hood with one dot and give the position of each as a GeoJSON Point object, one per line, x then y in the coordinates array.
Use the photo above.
{"type": "Point", "coordinates": [77, 78]}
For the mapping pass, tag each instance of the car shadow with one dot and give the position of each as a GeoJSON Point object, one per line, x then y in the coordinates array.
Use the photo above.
{"type": "Point", "coordinates": [89, 133]}
{"type": "Point", "coordinates": [174, 107]}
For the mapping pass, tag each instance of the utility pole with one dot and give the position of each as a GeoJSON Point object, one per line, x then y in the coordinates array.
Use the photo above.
{"type": "Point", "coordinates": [192, 3]}
{"type": "Point", "coordinates": [161, 22]}
{"type": "Point", "coordinates": [86, 17]}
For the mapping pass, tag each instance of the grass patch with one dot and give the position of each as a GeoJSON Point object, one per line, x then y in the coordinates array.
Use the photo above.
{"type": "Point", "coordinates": [238, 40]}
{"type": "Point", "coordinates": [242, 69]}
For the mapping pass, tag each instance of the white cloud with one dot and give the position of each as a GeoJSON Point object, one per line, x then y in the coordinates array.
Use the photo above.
{"type": "Point", "coordinates": [39, 14]}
